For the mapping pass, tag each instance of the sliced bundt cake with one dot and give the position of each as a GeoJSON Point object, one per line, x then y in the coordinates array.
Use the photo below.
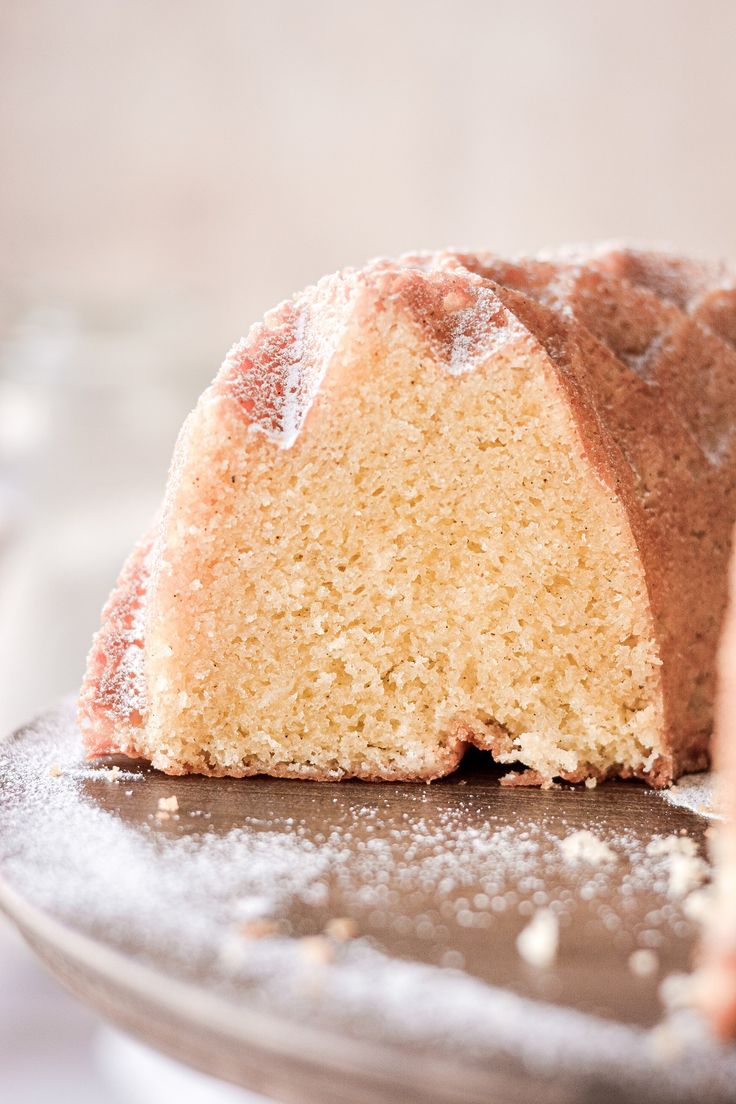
{"type": "Point", "coordinates": [435, 502]}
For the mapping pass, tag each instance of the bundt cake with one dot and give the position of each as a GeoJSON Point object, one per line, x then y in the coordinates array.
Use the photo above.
{"type": "Point", "coordinates": [441, 501]}
{"type": "Point", "coordinates": [716, 979]}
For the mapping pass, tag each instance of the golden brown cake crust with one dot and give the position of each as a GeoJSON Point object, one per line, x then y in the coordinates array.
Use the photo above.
{"type": "Point", "coordinates": [629, 361]}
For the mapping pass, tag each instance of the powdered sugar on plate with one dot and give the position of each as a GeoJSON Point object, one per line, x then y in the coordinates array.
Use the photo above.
{"type": "Point", "coordinates": [696, 792]}
{"type": "Point", "coordinates": [431, 892]}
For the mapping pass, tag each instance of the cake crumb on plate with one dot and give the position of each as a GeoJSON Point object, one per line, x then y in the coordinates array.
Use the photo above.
{"type": "Point", "coordinates": [316, 949]}
{"type": "Point", "coordinates": [643, 962]}
{"type": "Point", "coordinates": [538, 942]}
{"type": "Point", "coordinates": [341, 928]}
{"type": "Point", "coordinates": [259, 928]}
{"type": "Point", "coordinates": [585, 846]}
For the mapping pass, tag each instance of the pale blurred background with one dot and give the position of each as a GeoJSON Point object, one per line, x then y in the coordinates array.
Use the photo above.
{"type": "Point", "coordinates": [170, 169]}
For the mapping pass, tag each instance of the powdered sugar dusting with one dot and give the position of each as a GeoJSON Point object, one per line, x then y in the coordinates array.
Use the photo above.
{"type": "Point", "coordinates": [277, 370]}
{"type": "Point", "coordinates": [696, 792]}
{"type": "Point", "coordinates": [452, 872]}
{"type": "Point", "coordinates": [481, 330]}
{"type": "Point", "coordinates": [585, 846]}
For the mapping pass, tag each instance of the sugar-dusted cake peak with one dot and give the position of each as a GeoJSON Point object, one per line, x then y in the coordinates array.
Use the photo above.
{"type": "Point", "coordinates": [276, 372]}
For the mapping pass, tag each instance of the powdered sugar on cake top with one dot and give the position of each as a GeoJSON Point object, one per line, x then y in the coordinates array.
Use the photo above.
{"type": "Point", "coordinates": [276, 372]}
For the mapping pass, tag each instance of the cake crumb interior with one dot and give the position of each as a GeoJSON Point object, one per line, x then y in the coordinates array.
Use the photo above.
{"type": "Point", "coordinates": [432, 562]}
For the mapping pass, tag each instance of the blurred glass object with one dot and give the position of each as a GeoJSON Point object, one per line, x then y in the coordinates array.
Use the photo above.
{"type": "Point", "coordinates": [89, 410]}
